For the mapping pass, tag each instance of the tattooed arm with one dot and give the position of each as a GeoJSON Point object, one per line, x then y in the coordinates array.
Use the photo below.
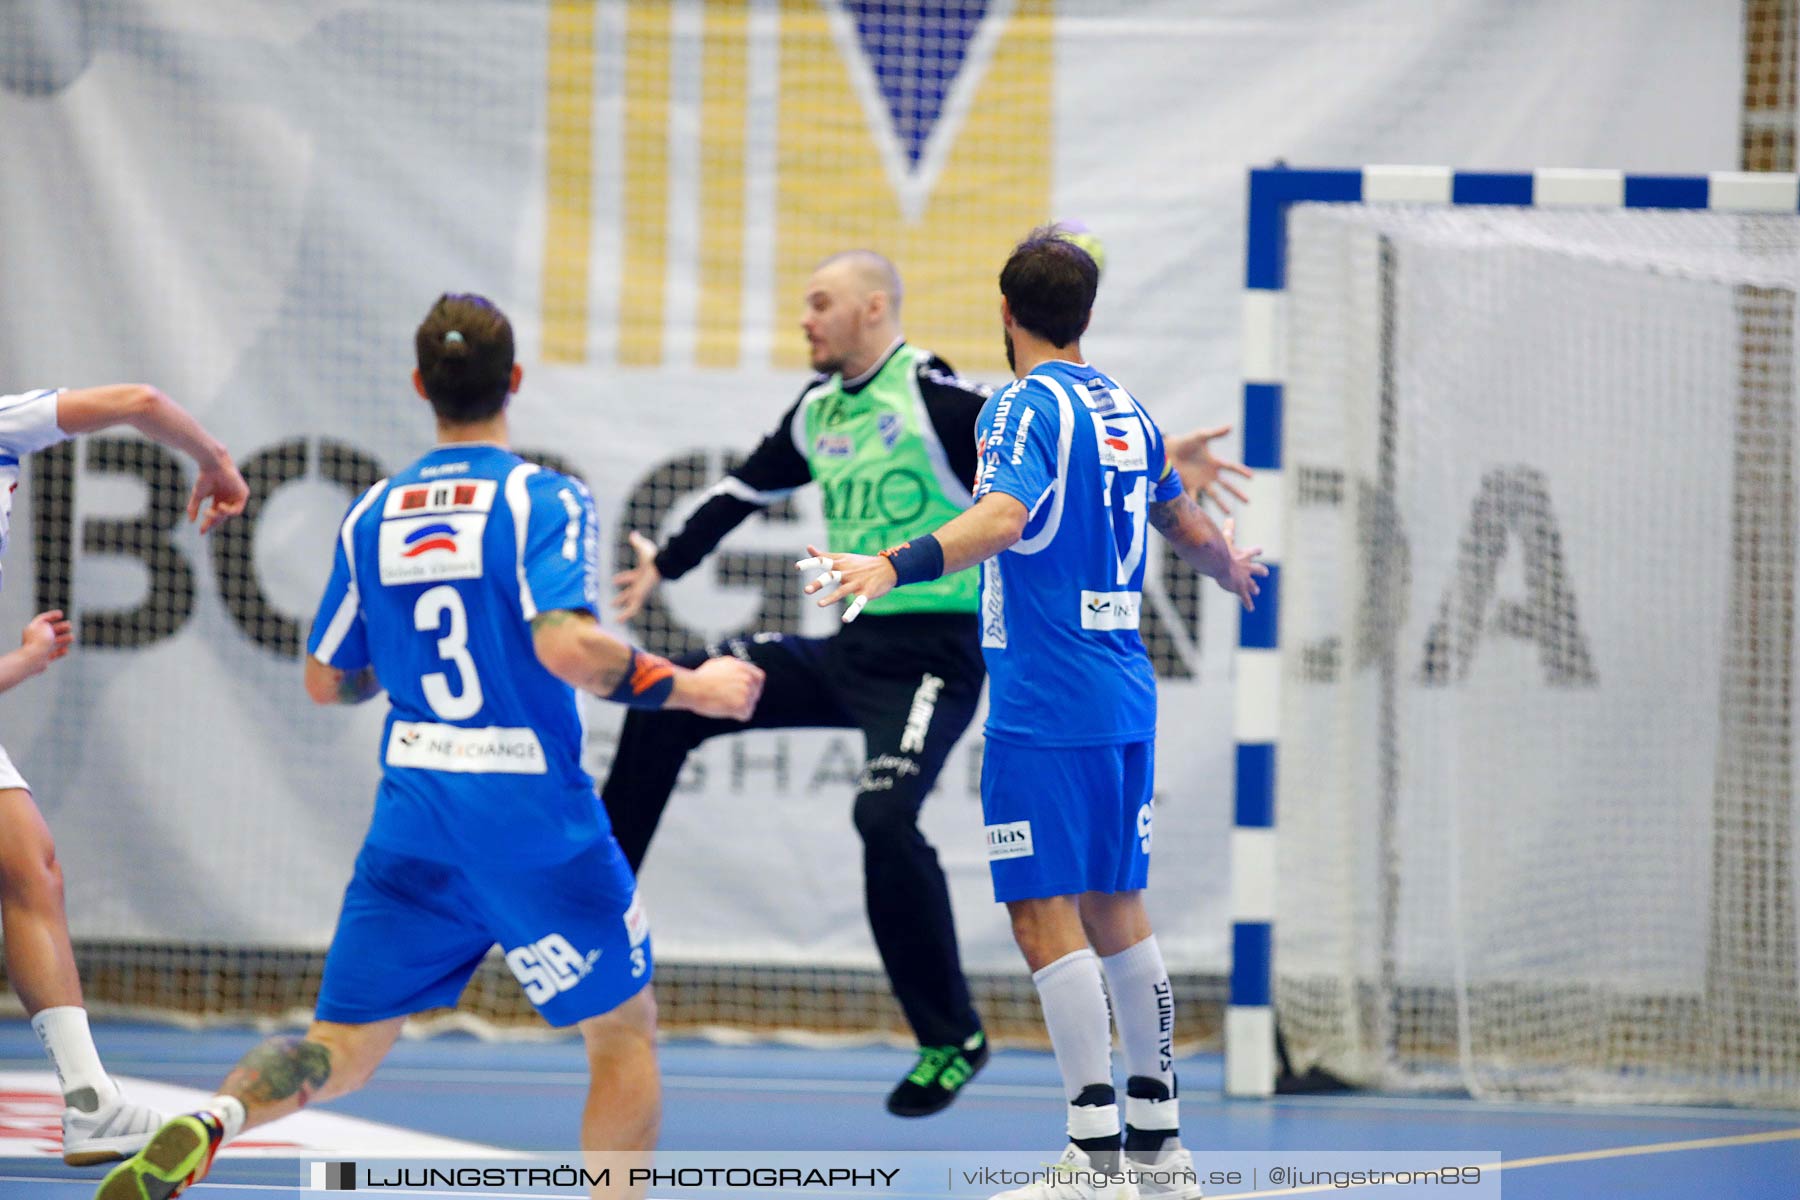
{"type": "Point", "coordinates": [573, 647]}
{"type": "Point", "coordinates": [1208, 548]}
{"type": "Point", "coordinates": [328, 685]}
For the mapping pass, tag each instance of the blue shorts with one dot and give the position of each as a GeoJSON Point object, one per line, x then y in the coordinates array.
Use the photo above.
{"type": "Point", "coordinates": [1065, 821]}
{"type": "Point", "coordinates": [412, 931]}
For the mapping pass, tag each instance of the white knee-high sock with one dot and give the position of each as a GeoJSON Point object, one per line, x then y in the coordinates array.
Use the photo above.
{"type": "Point", "coordinates": [70, 1044]}
{"type": "Point", "coordinates": [1075, 1012]}
{"type": "Point", "coordinates": [1144, 1004]}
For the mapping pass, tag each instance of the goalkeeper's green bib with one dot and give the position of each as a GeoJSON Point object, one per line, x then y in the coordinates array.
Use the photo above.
{"type": "Point", "coordinates": [884, 478]}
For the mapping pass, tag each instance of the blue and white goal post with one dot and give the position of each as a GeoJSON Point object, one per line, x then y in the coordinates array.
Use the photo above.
{"type": "Point", "coordinates": [1250, 1053]}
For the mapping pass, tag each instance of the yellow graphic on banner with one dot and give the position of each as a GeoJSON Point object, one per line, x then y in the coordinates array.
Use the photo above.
{"type": "Point", "coordinates": [946, 215]}
{"type": "Point", "coordinates": [644, 266]}
{"type": "Point", "coordinates": [723, 105]}
{"type": "Point", "coordinates": [993, 187]}
{"type": "Point", "coordinates": [569, 182]}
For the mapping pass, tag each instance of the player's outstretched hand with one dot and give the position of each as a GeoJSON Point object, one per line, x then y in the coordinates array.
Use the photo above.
{"type": "Point", "coordinates": [226, 489]}
{"type": "Point", "coordinates": [46, 639]}
{"type": "Point", "coordinates": [1241, 575]}
{"type": "Point", "coordinates": [858, 578]}
{"type": "Point", "coordinates": [1201, 469]}
{"type": "Point", "coordinates": [724, 687]}
{"type": "Point", "coordinates": [636, 584]}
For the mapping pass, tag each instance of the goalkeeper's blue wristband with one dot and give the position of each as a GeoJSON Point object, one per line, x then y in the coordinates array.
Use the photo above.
{"type": "Point", "coordinates": [648, 681]}
{"type": "Point", "coordinates": [918, 561]}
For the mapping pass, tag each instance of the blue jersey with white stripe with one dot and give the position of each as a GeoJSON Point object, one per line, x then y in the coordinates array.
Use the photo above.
{"type": "Point", "coordinates": [437, 576]}
{"type": "Point", "coordinates": [1060, 609]}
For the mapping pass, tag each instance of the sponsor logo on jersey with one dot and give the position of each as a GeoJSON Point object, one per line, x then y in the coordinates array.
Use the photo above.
{"type": "Point", "coordinates": [890, 428]}
{"type": "Point", "coordinates": [1111, 610]}
{"type": "Point", "coordinates": [1100, 398]}
{"type": "Point", "coordinates": [1123, 445]}
{"type": "Point", "coordinates": [1019, 438]}
{"type": "Point", "coordinates": [1011, 840]}
{"type": "Point", "coordinates": [439, 535]}
{"type": "Point", "coordinates": [835, 445]}
{"type": "Point", "coordinates": [572, 527]}
{"type": "Point", "coordinates": [996, 433]}
{"type": "Point", "coordinates": [985, 469]}
{"type": "Point", "coordinates": [418, 499]}
{"type": "Point", "coordinates": [490, 750]}
{"type": "Point", "coordinates": [549, 965]}
{"type": "Point", "coordinates": [430, 548]}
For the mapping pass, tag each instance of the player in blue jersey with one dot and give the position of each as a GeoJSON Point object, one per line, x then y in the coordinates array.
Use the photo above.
{"type": "Point", "coordinates": [466, 587]}
{"type": "Point", "coordinates": [99, 1125]}
{"type": "Point", "coordinates": [1073, 473]}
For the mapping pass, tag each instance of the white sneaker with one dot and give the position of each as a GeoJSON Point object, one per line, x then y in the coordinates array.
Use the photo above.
{"type": "Point", "coordinates": [1170, 1177]}
{"type": "Point", "coordinates": [117, 1130]}
{"type": "Point", "coordinates": [1072, 1177]}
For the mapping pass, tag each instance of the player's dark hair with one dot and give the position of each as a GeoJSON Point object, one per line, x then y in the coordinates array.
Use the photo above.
{"type": "Point", "coordinates": [1049, 284]}
{"type": "Point", "coordinates": [465, 348]}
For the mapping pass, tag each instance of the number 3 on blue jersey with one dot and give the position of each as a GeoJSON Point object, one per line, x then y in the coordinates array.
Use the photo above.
{"type": "Point", "coordinates": [452, 646]}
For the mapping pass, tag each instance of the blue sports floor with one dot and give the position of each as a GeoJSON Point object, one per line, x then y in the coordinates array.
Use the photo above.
{"type": "Point", "coordinates": [766, 1098]}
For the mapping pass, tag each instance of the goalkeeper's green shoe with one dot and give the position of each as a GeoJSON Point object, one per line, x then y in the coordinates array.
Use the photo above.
{"type": "Point", "coordinates": [940, 1074]}
{"type": "Point", "coordinates": [177, 1155]}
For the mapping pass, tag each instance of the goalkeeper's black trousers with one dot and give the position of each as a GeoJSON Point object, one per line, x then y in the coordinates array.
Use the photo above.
{"type": "Point", "coordinates": [911, 683]}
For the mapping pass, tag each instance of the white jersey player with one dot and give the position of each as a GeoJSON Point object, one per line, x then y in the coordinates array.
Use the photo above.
{"type": "Point", "coordinates": [99, 1125]}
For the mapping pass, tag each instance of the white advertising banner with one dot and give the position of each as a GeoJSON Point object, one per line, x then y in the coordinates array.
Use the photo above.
{"type": "Point", "coordinates": [254, 207]}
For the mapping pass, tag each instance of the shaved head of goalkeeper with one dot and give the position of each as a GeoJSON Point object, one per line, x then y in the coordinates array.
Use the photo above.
{"type": "Point", "coordinates": [852, 312]}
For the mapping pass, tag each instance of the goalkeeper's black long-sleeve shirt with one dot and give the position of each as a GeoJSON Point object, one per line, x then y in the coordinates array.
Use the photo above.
{"type": "Point", "coordinates": [778, 464]}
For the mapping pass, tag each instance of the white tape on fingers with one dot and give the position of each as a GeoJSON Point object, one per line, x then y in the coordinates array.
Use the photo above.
{"type": "Point", "coordinates": [821, 563]}
{"type": "Point", "coordinates": [856, 606]}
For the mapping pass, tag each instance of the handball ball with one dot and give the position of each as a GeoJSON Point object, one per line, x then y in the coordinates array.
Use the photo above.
{"type": "Point", "coordinates": [1081, 235]}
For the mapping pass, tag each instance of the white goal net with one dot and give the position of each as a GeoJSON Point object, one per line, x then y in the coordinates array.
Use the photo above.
{"type": "Point", "coordinates": [1538, 728]}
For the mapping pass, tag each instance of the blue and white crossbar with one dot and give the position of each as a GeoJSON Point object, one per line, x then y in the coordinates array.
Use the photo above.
{"type": "Point", "coordinates": [1250, 1061]}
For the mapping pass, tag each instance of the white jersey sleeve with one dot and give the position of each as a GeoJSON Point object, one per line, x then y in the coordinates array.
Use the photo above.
{"type": "Point", "coordinates": [28, 422]}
